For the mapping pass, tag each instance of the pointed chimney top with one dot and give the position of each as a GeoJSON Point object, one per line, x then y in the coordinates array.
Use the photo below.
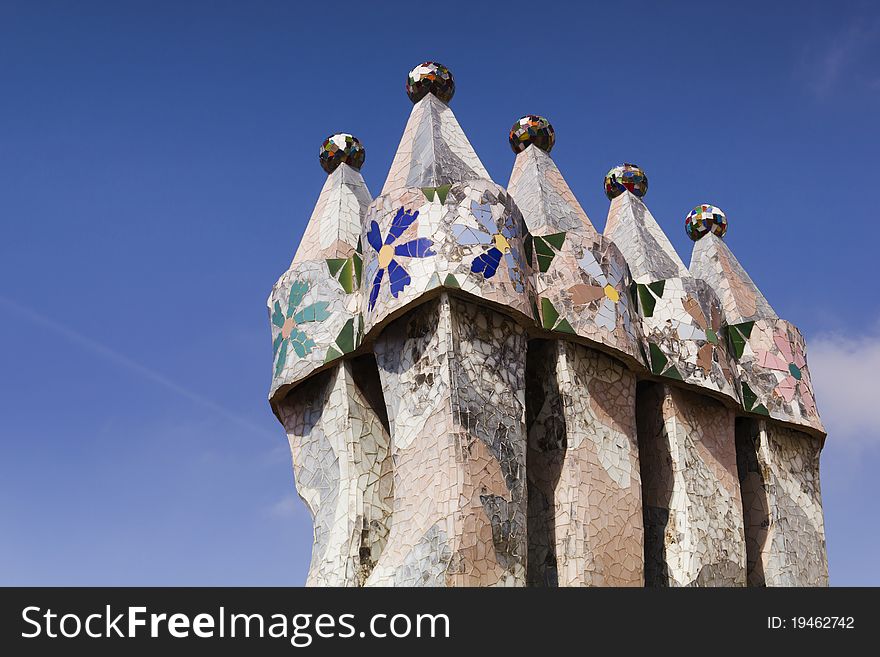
{"type": "Point", "coordinates": [433, 150]}
{"type": "Point", "coordinates": [714, 262]}
{"type": "Point", "coordinates": [541, 193]}
{"type": "Point", "coordinates": [334, 228]}
{"type": "Point", "coordinates": [637, 234]}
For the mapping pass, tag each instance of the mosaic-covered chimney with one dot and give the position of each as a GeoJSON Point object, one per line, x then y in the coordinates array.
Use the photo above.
{"type": "Point", "coordinates": [480, 389]}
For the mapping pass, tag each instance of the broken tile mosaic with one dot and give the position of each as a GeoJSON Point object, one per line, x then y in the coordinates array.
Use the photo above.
{"type": "Point", "coordinates": [626, 178]}
{"type": "Point", "coordinates": [430, 78]}
{"type": "Point", "coordinates": [339, 148]}
{"type": "Point", "coordinates": [532, 130]}
{"type": "Point", "coordinates": [481, 389]}
{"type": "Point", "coordinates": [705, 219]}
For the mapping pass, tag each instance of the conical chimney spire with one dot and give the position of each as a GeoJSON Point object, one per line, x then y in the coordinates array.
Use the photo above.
{"type": "Point", "coordinates": [433, 150]}
{"type": "Point", "coordinates": [543, 196]}
{"type": "Point", "coordinates": [714, 262]}
{"type": "Point", "coordinates": [650, 254]}
{"type": "Point", "coordinates": [335, 225]}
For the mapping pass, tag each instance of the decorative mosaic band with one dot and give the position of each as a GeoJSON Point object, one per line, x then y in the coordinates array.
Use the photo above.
{"type": "Point", "coordinates": [471, 237]}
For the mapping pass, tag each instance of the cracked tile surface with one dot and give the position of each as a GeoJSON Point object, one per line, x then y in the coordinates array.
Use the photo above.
{"type": "Point", "coordinates": [406, 333]}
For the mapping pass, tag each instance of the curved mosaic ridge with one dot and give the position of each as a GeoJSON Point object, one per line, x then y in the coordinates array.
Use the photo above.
{"type": "Point", "coordinates": [441, 223]}
{"type": "Point", "coordinates": [769, 352]}
{"type": "Point", "coordinates": [583, 287]}
{"type": "Point", "coordinates": [582, 280]}
{"type": "Point", "coordinates": [468, 236]}
{"type": "Point", "coordinates": [314, 312]}
{"type": "Point", "coordinates": [566, 282]}
{"type": "Point", "coordinates": [771, 363]}
{"type": "Point", "coordinates": [682, 334]}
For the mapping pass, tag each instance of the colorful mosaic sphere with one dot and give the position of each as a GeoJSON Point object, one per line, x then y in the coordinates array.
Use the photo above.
{"type": "Point", "coordinates": [626, 177]}
{"type": "Point", "coordinates": [339, 148]}
{"type": "Point", "coordinates": [532, 129]}
{"type": "Point", "coordinates": [705, 219]}
{"type": "Point", "coordinates": [430, 77]}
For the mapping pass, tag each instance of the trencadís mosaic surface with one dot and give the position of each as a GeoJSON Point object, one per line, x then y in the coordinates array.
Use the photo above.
{"type": "Point", "coordinates": [482, 389]}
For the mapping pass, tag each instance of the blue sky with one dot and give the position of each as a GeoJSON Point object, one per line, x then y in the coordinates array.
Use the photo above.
{"type": "Point", "coordinates": [158, 162]}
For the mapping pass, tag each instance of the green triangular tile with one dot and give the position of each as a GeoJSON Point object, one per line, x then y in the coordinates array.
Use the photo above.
{"type": "Point", "coordinates": [332, 354]}
{"type": "Point", "coordinates": [358, 268]}
{"type": "Point", "coordinates": [542, 247]}
{"type": "Point", "coordinates": [442, 192]}
{"type": "Point", "coordinates": [749, 397]}
{"type": "Point", "coordinates": [544, 263]}
{"type": "Point", "coordinates": [737, 341]}
{"type": "Point", "coordinates": [673, 373]}
{"type": "Point", "coordinates": [345, 277]}
{"type": "Point", "coordinates": [556, 239]}
{"type": "Point", "coordinates": [548, 313]}
{"type": "Point", "coordinates": [648, 301]}
{"type": "Point", "coordinates": [346, 338]}
{"type": "Point", "coordinates": [657, 288]}
{"type": "Point", "coordinates": [335, 264]}
{"type": "Point", "coordinates": [658, 359]}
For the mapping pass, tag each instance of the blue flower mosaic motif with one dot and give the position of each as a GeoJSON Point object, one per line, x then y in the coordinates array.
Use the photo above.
{"type": "Point", "coordinates": [497, 238]}
{"type": "Point", "coordinates": [290, 336]}
{"type": "Point", "coordinates": [388, 253]}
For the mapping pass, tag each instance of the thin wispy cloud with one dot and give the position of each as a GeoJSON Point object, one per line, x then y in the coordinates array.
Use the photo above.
{"type": "Point", "coordinates": [126, 363]}
{"type": "Point", "coordinates": [844, 370]}
{"type": "Point", "coordinates": [285, 508]}
{"type": "Point", "coordinates": [845, 58]}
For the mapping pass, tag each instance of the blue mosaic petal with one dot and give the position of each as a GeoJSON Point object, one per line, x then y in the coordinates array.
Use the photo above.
{"type": "Point", "coordinates": [402, 220]}
{"type": "Point", "coordinates": [467, 236]}
{"type": "Point", "coordinates": [302, 344]}
{"type": "Point", "coordinates": [372, 265]}
{"type": "Point", "coordinates": [316, 312]}
{"type": "Point", "coordinates": [374, 236]}
{"type": "Point", "coordinates": [282, 357]}
{"type": "Point", "coordinates": [616, 274]}
{"type": "Point", "coordinates": [278, 316]}
{"type": "Point", "coordinates": [483, 214]}
{"type": "Point", "coordinates": [297, 292]}
{"type": "Point", "coordinates": [417, 248]}
{"type": "Point", "coordinates": [487, 262]}
{"type": "Point", "coordinates": [515, 269]}
{"type": "Point", "coordinates": [277, 343]}
{"type": "Point", "coordinates": [377, 284]}
{"type": "Point", "coordinates": [508, 228]}
{"type": "Point", "coordinates": [517, 258]}
{"type": "Point", "coordinates": [398, 277]}
{"type": "Point", "coordinates": [606, 316]}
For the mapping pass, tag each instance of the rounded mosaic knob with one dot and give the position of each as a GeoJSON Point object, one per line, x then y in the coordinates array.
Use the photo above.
{"type": "Point", "coordinates": [339, 148]}
{"type": "Point", "coordinates": [532, 129]}
{"type": "Point", "coordinates": [430, 78]}
{"type": "Point", "coordinates": [626, 177]}
{"type": "Point", "coordinates": [705, 219]}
